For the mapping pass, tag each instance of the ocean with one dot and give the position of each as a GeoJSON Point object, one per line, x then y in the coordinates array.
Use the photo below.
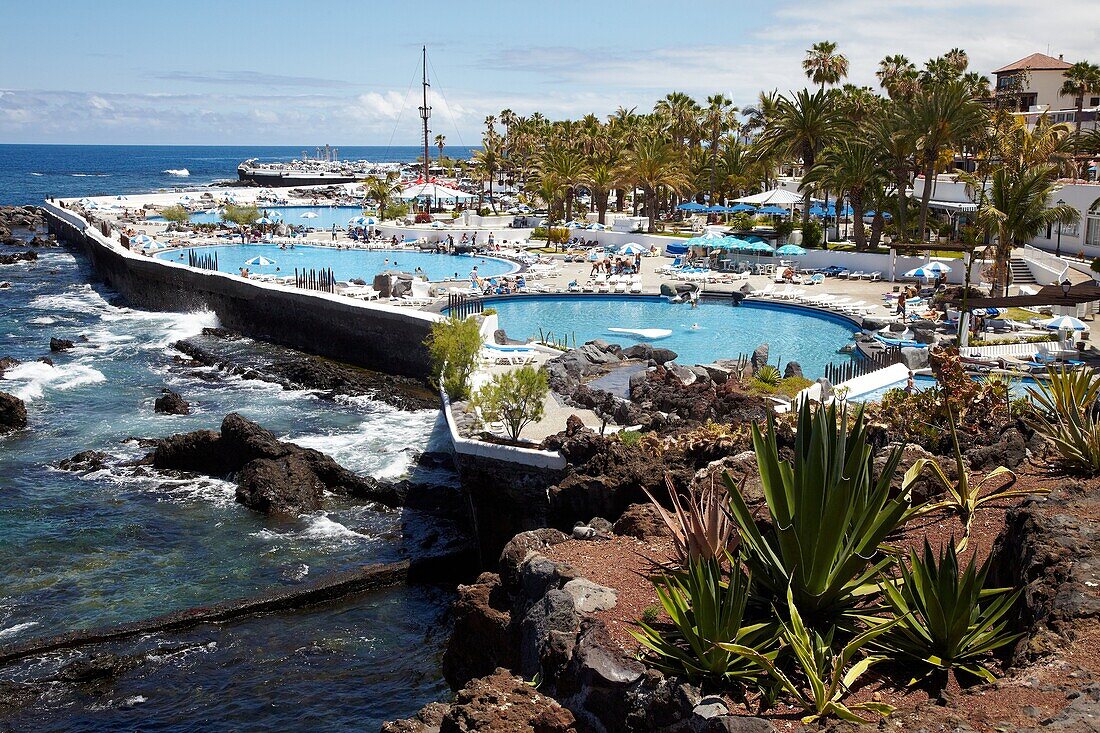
{"type": "Point", "coordinates": [78, 551]}
{"type": "Point", "coordinates": [32, 173]}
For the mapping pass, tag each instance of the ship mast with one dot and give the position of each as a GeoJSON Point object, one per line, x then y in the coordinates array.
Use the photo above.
{"type": "Point", "coordinates": [425, 113]}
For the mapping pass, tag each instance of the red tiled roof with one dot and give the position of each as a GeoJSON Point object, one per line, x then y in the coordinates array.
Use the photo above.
{"type": "Point", "coordinates": [1035, 62]}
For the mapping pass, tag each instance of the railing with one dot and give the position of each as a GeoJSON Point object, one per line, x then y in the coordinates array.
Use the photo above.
{"type": "Point", "coordinates": [323, 280]}
{"type": "Point", "coordinates": [1047, 261]}
{"type": "Point", "coordinates": [202, 261]}
{"type": "Point", "coordinates": [838, 373]}
{"type": "Point", "coordinates": [463, 306]}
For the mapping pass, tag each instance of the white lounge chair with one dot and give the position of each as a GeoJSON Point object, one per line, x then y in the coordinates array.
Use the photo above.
{"type": "Point", "coordinates": [636, 284]}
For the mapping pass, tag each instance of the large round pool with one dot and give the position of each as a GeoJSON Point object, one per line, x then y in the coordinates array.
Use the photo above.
{"type": "Point", "coordinates": [345, 263]}
{"type": "Point", "coordinates": [318, 217]}
{"type": "Point", "coordinates": [714, 330]}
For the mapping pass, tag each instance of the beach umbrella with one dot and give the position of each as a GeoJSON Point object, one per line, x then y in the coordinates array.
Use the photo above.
{"type": "Point", "coordinates": [141, 240]}
{"type": "Point", "coordinates": [575, 224]}
{"type": "Point", "coordinates": [745, 208]}
{"type": "Point", "coordinates": [1065, 323]}
{"type": "Point", "coordinates": [362, 221]}
{"type": "Point", "coordinates": [773, 211]}
{"type": "Point", "coordinates": [597, 227]}
{"type": "Point", "coordinates": [691, 206]}
{"type": "Point", "coordinates": [260, 260]}
{"type": "Point", "coordinates": [632, 248]}
{"type": "Point", "coordinates": [790, 250]}
{"type": "Point", "coordinates": [267, 220]}
{"type": "Point", "coordinates": [310, 215]}
{"type": "Point", "coordinates": [716, 209]}
{"type": "Point", "coordinates": [595, 255]}
{"type": "Point", "coordinates": [930, 270]}
{"type": "Point", "coordinates": [704, 240]}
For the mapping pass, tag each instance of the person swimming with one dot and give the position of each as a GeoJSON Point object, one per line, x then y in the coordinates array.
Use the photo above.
{"type": "Point", "coordinates": [695, 327]}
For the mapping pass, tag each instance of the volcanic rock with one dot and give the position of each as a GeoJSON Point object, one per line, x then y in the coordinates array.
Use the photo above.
{"type": "Point", "coordinates": [642, 521]}
{"type": "Point", "coordinates": [7, 363]}
{"type": "Point", "coordinates": [28, 256]}
{"type": "Point", "coordinates": [793, 369]}
{"type": "Point", "coordinates": [13, 413]}
{"type": "Point", "coordinates": [170, 403]}
{"type": "Point", "coordinates": [504, 703]}
{"type": "Point", "coordinates": [286, 476]}
{"type": "Point", "coordinates": [57, 344]}
{"type": "Point", "coordinates": [759, 357]}
{"type": "Point", "coordinates": [85, 462]}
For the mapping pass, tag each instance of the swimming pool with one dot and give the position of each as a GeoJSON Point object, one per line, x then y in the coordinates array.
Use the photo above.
{"type": "Point", "coordinates": [1017, 387]}
{"type": "Point", "coordinates": [714, 330]}
{"type": "Point", "coordinates": [325, 217]}
{"type": "Point", "coordinates": [345, 263]}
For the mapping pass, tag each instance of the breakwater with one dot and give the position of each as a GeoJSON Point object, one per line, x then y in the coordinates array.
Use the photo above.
{"type": "Point", "coordinates": [376, 336]}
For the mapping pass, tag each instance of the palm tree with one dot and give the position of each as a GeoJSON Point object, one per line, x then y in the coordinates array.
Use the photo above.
{"type": "Point", "coordinates": [601, 179]}
{"type": "Point", "coordinates": [761, 113]}
{"type": "Point", "coordinates": [1017, 207]}
{"type": "Point", "coordinates": [439, 142]}
{"type": "Point", "coordinates": [568, 168]}
{"type": "Point", "coordinates": [383, 190]}
{"type": "Point", "coordinates": [801, 127]}
{"type": "Point", "coordinates": [651, 164]}
{"type": "Point", "coordinates": [487, 164]}
{"type": "Point", "coordinates": [823, 65]}
{"type": "Point", "coordinates": [898, 76]}
{"type": "Point", "coordinates": [854, 167]}
{"type": "Point", "coordinates": [1080, 79]}
{"type": "Point", "coordinates": [681, 113]}
{"type": "Point", "coordinates": [719, 108]}
{"type": "Point", "coordinates": [941, 114]}
{"type": "Point", "coordinates": [896, 143]}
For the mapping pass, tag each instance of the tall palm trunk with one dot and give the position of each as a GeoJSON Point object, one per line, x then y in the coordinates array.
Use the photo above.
{"type": "Point", "coordinates": [620, 199]}
{"type": "Point", "coordinates": [855, 197]}
{"type": "Point", "coordinates": [901, 181]}
{"type": "Point", "coordinates": [1083, 171]}
{"type": "Point", "coordinates": [808, 159]}
{"type": "Point", "coordinates": [650, 210]}
{"type": "Point", "coordinates": [569, 203]}
{"type": "Point", "coordinates": [601, 206]}
{"type": "Point", "coordinates": [926, 195]}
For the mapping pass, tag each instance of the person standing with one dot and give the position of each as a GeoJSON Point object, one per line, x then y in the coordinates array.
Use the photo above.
{"type": "Point", "coordinates": [901, 305]}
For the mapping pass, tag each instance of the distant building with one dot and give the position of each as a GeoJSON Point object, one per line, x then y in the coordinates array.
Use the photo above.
{"type": "Point", "coordinates": [1032, 87]}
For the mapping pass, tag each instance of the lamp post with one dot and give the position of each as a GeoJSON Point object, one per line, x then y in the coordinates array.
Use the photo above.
{"type": "Point", "coordinates": [1058, 247]}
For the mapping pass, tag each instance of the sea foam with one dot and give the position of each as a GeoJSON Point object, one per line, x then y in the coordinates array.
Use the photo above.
{"type": "Point", "coordinates": [181, 172]}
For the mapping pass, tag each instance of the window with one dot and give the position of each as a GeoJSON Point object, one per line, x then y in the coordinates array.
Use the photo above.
{"type": "Point", "coordinates": [1072, 230]}
{"type": "Point", "coordinates": [1092, 233]}
{"type": "Point", "coordinates": [1050, 228]}
{"type": "Point", "coordinates": [1094, 102]}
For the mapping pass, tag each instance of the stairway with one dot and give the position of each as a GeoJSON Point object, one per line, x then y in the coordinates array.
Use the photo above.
{"type": "Point", "coordinates": [1021, 273]}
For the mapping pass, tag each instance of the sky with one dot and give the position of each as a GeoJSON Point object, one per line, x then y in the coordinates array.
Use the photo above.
{"type": "Point", "coordinates": [285, 72]}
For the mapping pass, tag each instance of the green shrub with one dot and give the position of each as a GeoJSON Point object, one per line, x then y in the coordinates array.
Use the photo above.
{"type": "Point", "coordinates": [489, 312]}
{"type": "Point", "coordinates": [829, 515]}
{"type": "Point", "coordinates": [539, 233]}
{"type": "Point", "coordinates": [1064, 415]}
{"type": "Point", "coordinates": [940, 622]}
{"type": "Point", "coordinates": [453, 345]}
{"type": "Point", "coordinates": [812, 234]}
{"type": "Point", "coordinates": [1095, 264]}
{"type": "Point", "coordinates": [791, 386]}
{"type": "Point", "coordinates": [706, 607]}
{"type": "Point", "coordinates": [515, 398]}
{"type": "Point", "coordinates": [650, 614]}
{"type": "Point", "coordinates": [630, 437]}
{"type": "Point", "coordinates": [176, 214]}
{"type": "Point", "coordinates": [396, 211]}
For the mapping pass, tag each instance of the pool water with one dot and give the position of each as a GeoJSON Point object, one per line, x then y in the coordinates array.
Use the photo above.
{"type": "Point", "coordinates": [714, 330]}
{"type": "Point", "coordinates": [345, 263]}
{"type": "Point", "coordinates": [1016, 387]}
{"type": "Point", "coordinates": [292, 215]}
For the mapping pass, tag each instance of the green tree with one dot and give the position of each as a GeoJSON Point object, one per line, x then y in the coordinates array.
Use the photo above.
{"type": "Point", "coordinates": [942, 115]}
{"type": "Point", "coordinates": [568, 168]}
{"type": "Point", "coordinates": [515, 398]}
{"type": "Point", "coordinates": [440, 141]}
{"type": "Point", "coordinates": [853, 167]}
{"type": "Point", "coordinates": [823, 65]}
{"type": "Point", "coordinates": [242, 216]}
{"type": "Point", "coordinates": [382, 191]}
{"type": "Point", "coordinates": [801, 127]}
{"type": "Point", "coordinates": [453, 344]}
{"type": "Point", "coordinates": [1080, 79]}
{"type": "Point", "coordinates": [651, 164]}
{"type": "Point", "coordinates": [176, 214]}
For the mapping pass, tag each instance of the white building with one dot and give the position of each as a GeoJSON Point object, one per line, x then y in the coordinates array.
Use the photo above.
{"type": "Point", "coordinates": [1032, 87]}
{"type": "Point", "coordinates": [948, 194]}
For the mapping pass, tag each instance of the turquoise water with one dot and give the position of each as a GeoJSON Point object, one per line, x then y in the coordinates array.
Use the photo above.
{"type": "Point", "coordinates": [1017, 387]}
{"type": "Point", "coordinates": [714, 330]}
{"type": "Point", "coordinates": [346, 263]}
{"type": "Point", "coordinates": [292, 215]}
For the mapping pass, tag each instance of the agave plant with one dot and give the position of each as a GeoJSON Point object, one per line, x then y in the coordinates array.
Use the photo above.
{"type": "Point", "coordinates": [706, 609]}
{"type": "Point", "coordinates": [769, 375]}
{"type": "Point", "coordinates": [1064, 416]}
{"type": "Point", "coordinates": [941, 623]}
{"type": "Point", "coordinates": [829, 515]}
{"type": "Point", "coordinates": [701, 530]}
{"type": "Point", "coordinates": [826, 674]}
{"type": "Point", "coordinates": [964, 495]}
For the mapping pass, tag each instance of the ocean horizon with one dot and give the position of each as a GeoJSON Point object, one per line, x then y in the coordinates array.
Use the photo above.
{"type": "Point", "coordinates": [30, 173]}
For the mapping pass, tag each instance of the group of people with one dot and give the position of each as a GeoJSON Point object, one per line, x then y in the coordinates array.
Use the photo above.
{"type": "Point", "coordinates": [620, 266]}
{"type": "Point", "coordinates": [505, 285]}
